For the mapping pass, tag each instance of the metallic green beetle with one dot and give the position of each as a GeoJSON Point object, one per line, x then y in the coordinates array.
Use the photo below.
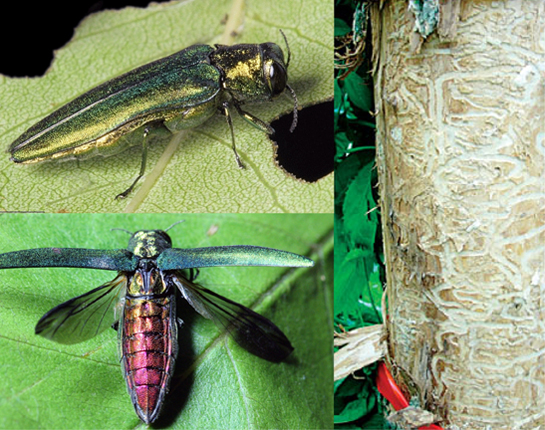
{"type": "Point", "coordinates": [178, 92]}
{"type": "Point", "coordinates": [140, 302]}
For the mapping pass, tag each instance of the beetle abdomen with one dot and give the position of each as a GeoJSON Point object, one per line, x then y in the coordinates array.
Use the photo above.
{"type": "Point", "coordinates": [149, 347]}
{"type": "Point", "coordinates": [157, 91]}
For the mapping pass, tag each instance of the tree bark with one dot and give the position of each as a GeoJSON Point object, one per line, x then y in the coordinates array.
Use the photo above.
{"type": "Point", "coordinates": [460, 155]}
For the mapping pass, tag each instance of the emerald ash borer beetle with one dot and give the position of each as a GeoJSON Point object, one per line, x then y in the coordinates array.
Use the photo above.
{"type": "Point", "coordinates": [177, 92]}
{"type": "Point", "coordinates": [140, 302]}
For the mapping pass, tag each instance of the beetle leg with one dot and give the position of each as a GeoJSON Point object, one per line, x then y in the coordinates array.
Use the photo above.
{"type": "Point", "coordinates": [193, 273]}
{"type": "Point", "coordinates": [255, 121]}
{"type": "Point", "coordinates": [227, 114]}
{"type": "Point", "coordinates": [142, 166]}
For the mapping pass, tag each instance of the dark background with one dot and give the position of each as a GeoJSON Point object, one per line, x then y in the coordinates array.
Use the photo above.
{"type": "Point", "coordinates": [30, 32]}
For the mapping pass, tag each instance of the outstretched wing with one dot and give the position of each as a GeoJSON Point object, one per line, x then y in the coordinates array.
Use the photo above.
{"type": "Point", "coordinates": [252, 331]}
{"type": "Point", "coordinates": [85, 316]}
{"type": "Point", "coordinates": [237, 255]}
{"type": "Point", "coordinates": [105, 259]}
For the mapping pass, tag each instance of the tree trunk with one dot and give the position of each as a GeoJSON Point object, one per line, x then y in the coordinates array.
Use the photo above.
{"type": "Point", "coordinates": [461, 148]}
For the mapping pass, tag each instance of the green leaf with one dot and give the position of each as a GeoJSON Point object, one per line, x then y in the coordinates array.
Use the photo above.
{"type": "Point", "coordinates": [359, 205]}
{"type": "Point", "coordinates": [217, 384]}
{"type": "Point", "coordinates": [337, 102]}
{"type": "Point", "coordinates": [360, 91]}
{"type": "Point", "coordinates": [341, 145]}
{"type": "Point", "coordinates": [351, 278]}
{"type": "Point", "coordinates": [341, 27]}
{"type": "Point", "coordinates": [351, 401]}
{"type": "Point", "coordinates": [193, 171]}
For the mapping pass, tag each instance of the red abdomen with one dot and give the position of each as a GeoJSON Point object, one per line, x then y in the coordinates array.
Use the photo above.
{"type": "Point", "coordinates": [148, 351]}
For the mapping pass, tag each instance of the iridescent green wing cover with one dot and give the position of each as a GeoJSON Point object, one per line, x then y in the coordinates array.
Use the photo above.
{"type": "Point", "coordinates": [158, 90]}
{"type": "Point", "coordinates": [119, 260]}
{"type": "Point", "coordinates": [241, 255]}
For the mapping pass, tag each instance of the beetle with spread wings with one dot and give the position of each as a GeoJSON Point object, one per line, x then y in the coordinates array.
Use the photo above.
{"type": "Point", "coordinates": [141, 302]}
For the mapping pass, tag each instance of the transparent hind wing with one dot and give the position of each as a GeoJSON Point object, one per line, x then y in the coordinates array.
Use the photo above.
{"type": "Point", "coordinates": [252, 331]}
{"type": "Point", "coordinates": [85, 316]}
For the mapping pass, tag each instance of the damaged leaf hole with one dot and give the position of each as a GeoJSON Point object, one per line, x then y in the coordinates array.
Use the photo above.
{"type": "Point", "coordinates": [308, 152]}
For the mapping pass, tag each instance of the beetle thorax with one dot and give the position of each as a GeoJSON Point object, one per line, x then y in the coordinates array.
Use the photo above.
{"type": "Point", "coordinates": [147, 280]}
{"type": "Point", "coordinates": [149, 243]}
{"type": "Point", "coordinates": [251, 73]}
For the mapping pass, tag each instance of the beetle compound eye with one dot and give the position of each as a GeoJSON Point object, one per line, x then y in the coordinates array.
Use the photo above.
{"type": "Point", "coordinates": [277, 79]}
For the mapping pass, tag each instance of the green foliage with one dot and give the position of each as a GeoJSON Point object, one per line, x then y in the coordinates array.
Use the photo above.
{"type": "Point", "coordinates": [341, 28]}
{"type": "Point", "coordinates": [362, 399]}
{"type": "Point", "coordinates": [358, 267]}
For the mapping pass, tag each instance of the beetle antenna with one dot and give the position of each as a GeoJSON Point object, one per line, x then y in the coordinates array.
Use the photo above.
{"type": "Point", "coordinates": [295, 106]}
{"type": "Point", "coordinates": [295, 103]}
{"type": "Point", "coordinates": [176, 223]}
{"type": "Point", "coordinates": [122, 229]}
{"type": "Point", "coordinates": [287, 46]}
